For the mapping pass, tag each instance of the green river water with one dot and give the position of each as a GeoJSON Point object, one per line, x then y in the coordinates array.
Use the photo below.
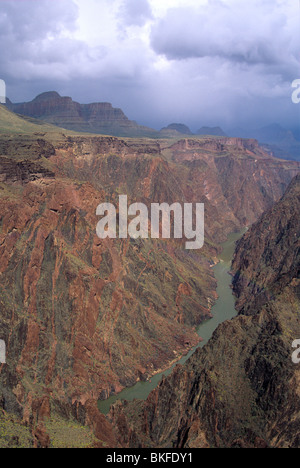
{"type": "Point", "coordinates": [223, 310]}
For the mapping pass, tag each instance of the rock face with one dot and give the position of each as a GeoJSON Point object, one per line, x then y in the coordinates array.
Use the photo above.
{"type": "Point", "coordinates": [281, 142]}
{"type": "Point", "coordinates": [83, 317]}
{"type": "Point", "coordinates": [242, 389]}
{"type": "Point", "coordinates": [23, 172]}
{"type": "Point", "coordinates": [92, 118]}
{"type": "Point", "coordinates": [176, 128]}
{"type": "Point", "coordinates": [273, 262]}
{"type": "Point", "coordinates": [237, 173]}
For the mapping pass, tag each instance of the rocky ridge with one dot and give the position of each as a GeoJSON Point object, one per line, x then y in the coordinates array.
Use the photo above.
{"type": "Point", "coordinates": [81, 317]}
{"type": "Point", "coordinates": [242, 389]}
{"type": "Point", "coordinates": [101, 117]}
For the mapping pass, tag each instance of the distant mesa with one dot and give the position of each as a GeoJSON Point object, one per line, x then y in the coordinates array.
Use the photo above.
{"type": "Point", "coordinates": [272, 134]}
{"type": "Point", "coordinates": [99, 117]}
{"type": "Point", "coordinates": [47, 96]}
{"type": "Point", "coordinates": [281, 142]}
{"type": "Point", "coordinates": [11, 124]}
{"type": "Point", "coordinates": [215, 131]}
{"type": "Point", "coordinates": [103, 118]}
{"type": "Point", "coordinates": [178, 128]}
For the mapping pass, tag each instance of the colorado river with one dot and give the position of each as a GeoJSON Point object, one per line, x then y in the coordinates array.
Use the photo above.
{"type": "Point", "coordinates": [223, 310]}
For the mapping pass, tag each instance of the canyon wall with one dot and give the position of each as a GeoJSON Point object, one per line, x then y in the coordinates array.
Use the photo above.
{"type": "Point", "coordinates": [242, 389]}
{"type": "Point", "coordinates": [82, 317]}
{"type": "Point", "coordinates": [99, 117]}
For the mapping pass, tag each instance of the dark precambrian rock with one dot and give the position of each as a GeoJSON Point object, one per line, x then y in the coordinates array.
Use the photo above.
{"type": "Point", "coordinates": [242, 389]}
{"type": "Point", "coordinates": [82, 318]}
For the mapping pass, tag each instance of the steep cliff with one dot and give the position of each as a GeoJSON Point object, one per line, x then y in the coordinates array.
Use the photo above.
{"type": "Point", "coordinates": [265, 267]}
{"type": "Point", "coordinates": [82, 317]}
{"type": "Point", "coordinates": [236, 177]}
{"type": "Point", "coordinates": [100, 117]}
{"type": "Point", "coordinates": [242, 389]}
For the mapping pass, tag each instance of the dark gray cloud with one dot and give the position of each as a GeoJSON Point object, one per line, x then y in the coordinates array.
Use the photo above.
{"type": "Point", "coordinates": [224, 63]}
{"type": "Point", "coordinates": [27, 20]}
{"type": "Point", "coordinates": [253, 33]}
{"type": "Point", "coordinates": [33, 37]}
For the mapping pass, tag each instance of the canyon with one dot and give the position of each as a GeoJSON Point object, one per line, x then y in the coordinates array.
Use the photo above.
{"type": "Point", "coordinates": [84, 317]}
{"type": "Point", "coordinates": [103, 118]}
{"type": "Point", "coordinates": [242, 389]}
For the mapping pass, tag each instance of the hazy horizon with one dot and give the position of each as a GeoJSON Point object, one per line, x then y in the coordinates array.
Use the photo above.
{"type": "Point", "coordinates": [197, 62]}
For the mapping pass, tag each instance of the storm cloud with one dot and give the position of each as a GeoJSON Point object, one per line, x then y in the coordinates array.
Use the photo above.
{"type": "Point", "coordinates": [257, 32]}
{"type": "Point", "coordinates": [199, 62]}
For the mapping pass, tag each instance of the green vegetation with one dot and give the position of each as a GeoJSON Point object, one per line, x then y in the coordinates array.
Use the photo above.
{"type": "Point", "coordinates": [68, 434]}
{"type": "Point", "coordinates": [11, 123]}
{"type": "Point", "coordinates": [62, 433]}
{"type": "Point", "coordinates": [12, 433]}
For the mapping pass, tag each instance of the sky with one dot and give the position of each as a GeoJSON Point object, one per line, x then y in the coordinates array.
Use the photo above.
{"type": "Point", "coordinates": [228, 63]}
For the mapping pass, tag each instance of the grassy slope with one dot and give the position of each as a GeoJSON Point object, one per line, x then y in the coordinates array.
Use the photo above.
{"type": "Point", "coordinates": [11, 123]}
